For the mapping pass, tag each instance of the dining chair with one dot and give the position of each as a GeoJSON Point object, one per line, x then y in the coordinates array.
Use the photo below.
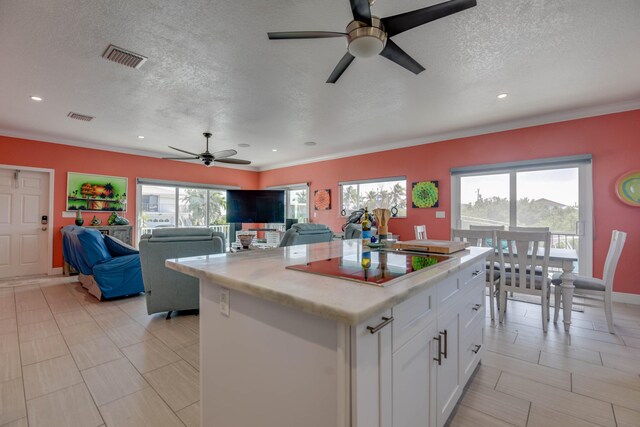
{"type": "Point", "coordinates": [486, 227]}
{"type": "Point", "coordinates": [486, 239]}
{"type": "Point", "coordinates": [592, 288]}
{"type": "Point", "coordinates": [531, 229]}
{"type": "Point", "coordinates": [421, 232]}
{"type": "Point", "coordinates": [525, 252]}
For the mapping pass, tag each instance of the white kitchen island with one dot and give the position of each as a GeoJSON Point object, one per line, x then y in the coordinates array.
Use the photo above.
{"type": "Point", "coordinates": [285, 348]}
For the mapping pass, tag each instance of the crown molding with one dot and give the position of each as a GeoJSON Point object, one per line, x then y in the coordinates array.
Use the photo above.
{"type": "Point", "coordinates": [544, 119]}
{"type": "Point", "coordinates": [105, 147]}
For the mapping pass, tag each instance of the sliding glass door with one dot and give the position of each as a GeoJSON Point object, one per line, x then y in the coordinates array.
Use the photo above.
{"type": "Point", "coordinates": [546, 193]}
{"type": "Point", "coordinates": [168, 204]}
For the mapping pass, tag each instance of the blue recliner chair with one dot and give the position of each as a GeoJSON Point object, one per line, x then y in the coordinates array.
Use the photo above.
{"type": "Point", "coordinates": [301, 234]}
{"type": "Point", "coordinates": [107, 267]}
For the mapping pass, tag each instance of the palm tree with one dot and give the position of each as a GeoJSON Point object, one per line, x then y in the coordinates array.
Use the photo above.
{"type": "Point", "coordinates": [217, 207]}
{"type": "Point", "coordinates": [195, 204]}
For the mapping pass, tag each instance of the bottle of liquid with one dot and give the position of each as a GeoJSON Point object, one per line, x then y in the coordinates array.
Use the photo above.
{"type": "Point", "coordinates": [366, 227]}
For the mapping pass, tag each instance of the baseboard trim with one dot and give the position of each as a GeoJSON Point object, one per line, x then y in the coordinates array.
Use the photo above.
{"type": "Point", "coordinates": [625, 298]}
{"type": "Point", "coordinates": [57, 271]}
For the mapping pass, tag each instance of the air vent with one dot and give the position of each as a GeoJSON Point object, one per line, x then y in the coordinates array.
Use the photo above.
{"type": "Point", "coordinates": [80, 117]}
{"type": "Point", "coordinates": [124, 57]}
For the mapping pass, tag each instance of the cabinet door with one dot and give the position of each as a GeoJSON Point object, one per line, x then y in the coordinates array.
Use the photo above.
{"type": "Point", "coordinates": [371, 368]}
{"type": "Point", "coordinates": [413, 382]}
{"type": "Point", "coordinates": [449, 382]}
{"type": "Point", "coordinates": [123, 234]}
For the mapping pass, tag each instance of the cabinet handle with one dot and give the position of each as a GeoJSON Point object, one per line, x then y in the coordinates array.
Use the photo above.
{"type": "Point", "coordinates": [476, 307]}
{"type": "Point", "coordinates": [445, 343]}
{"type": "Point", "coordinates": [477, 348]}
{"type": "Point", "coordinates": [385, 322]}
{"type": "Point", "coordinates": [475, 273]}
{"type": "Point", "coordinates": [439, 358]}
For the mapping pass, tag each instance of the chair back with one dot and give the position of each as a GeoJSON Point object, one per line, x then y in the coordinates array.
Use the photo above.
{"type": "Point", "coordinates": [483, 238]}
{"type": "Point", "coordinates": [530, 229]}
{"type": "Point", "coordinates": [613, 256]}
{"type": "Point", "coordinates": [525, 253]}
{"type": "Point", "coordinates": [421, 232]}
{"type": "Point", "coordinates": [486, 227]}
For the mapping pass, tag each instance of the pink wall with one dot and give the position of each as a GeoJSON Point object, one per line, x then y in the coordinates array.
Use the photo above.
{"type": "Point", "coordinates": [65, 158]}
{"type": "Point", "coordinates": [613, 140]}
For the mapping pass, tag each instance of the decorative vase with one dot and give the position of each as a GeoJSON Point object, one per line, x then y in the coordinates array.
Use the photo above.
{"type": "Point", "coordinates": [79, 220]}
{"type": "Point", "coordinates": [95, 221]}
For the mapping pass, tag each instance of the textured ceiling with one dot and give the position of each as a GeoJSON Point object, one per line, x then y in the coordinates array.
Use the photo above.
{"type": "Point", "coordinates": [211, 67]}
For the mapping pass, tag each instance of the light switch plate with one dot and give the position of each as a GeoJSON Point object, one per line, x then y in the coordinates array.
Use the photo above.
{"type": "Point", "coordinates": [68, 214]}
{"type": "Point", "coordinates": [440, 214]}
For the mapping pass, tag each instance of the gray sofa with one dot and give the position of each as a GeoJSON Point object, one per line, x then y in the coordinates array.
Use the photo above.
{"type": "Point", "coordinates": [301, 234]}
{"type": "Point", "coordinates": [169, 290]}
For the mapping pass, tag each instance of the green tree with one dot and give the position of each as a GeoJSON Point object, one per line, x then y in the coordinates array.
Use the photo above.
{"type": "Point", "coordinates": [217, 208]}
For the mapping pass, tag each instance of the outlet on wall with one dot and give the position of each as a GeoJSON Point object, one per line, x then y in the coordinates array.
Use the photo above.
{"type": "Point", "coordinates": [224, 302]}
{"type": "Point", "coordinates": [440, 214]}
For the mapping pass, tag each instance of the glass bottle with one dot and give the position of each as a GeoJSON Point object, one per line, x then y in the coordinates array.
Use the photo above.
{"type": "Point", "coordinates": [366, 227]}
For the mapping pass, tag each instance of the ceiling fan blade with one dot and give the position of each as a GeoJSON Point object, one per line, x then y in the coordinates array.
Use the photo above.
{"type": "Point", "coordinates": [288, 35]}
{"type": "Point", "coordinates": [342, 65]}
{"type": "Point", "coordinates": [224, 153]}
{"type": "Point", "coordinates": [393, 52]}
{"type": "Point", "coordinates": [181, 158]}
{"type": "Point", "coordinates": [405, 21]}
{"type": "Point", "coordinates": [233, 161]}
{"type": "Point", "coordinates": [184, 151]}
{"type": "Point", "coordinates": [361, 11]}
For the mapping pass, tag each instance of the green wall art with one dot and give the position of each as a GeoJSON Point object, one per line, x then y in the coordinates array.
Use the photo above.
{"type": "Point", "coordinates": [89, 192]}
{"type": "Point", "coordinates": [425, 194]}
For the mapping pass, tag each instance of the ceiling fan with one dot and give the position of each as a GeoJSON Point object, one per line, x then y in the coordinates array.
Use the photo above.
{"type": "Point", "coordinates": [208, 158]}
{"type": "Point", "coordinates": [368, 35]}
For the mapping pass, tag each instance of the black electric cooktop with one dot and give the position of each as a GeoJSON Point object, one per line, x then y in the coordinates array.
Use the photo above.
{"type": "Point", "coordinates": [376, 267]}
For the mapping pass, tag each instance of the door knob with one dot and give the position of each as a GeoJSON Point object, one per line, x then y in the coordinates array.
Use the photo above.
{"type": "Point", "coordinates": [44, 229]}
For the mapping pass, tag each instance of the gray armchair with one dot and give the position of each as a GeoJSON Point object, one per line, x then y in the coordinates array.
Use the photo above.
{"type": "Point", "coordinates": [169, 290]}
{"type": "Point", "coordinates": [353, 231]}
{"type": "Point", "coordinates": [301, 234]}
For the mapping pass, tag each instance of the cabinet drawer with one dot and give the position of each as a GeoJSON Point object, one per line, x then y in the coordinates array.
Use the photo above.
{"type": "Point", "coordinates": [412, 315]}
{"type": "Point", "coordinates": [473, 273]}
{"type": "Point", "coordinates": [447, 292]}
{"type": "Point", "coordinates": [471, 350]}
{"type": "Point", "coordinates": [472, 311]}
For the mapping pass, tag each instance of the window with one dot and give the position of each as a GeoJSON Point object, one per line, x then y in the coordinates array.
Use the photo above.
{"type": "Point", "coordinates": [150, 202]}
{"type": "Point", "coordinates": [374, 193]}
{"type": "Point", "coordinates": [554, 193]}
{"type": "Point", "coordinates": [296, 201]}
{"type": "Point", "coordinates": [172, 204]}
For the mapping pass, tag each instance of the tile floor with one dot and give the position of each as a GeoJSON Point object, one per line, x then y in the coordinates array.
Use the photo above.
{"type": "Point", "coordinates": [68, 360]}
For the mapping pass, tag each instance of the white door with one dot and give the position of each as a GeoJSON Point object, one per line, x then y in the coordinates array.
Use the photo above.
{"type": "Point", "coordinates": [24, 199]}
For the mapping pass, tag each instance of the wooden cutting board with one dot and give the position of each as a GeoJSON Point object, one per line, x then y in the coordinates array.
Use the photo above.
{"type": "Point", "coordinates": [435, 246]}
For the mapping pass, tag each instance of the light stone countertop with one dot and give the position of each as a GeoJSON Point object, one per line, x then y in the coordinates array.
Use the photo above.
{"type": "Point", "coordinates": [262, 273]}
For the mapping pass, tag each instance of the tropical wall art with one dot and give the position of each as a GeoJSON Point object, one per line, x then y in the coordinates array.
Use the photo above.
{"type": "Point", "coordinates": [425, 194]}
{"type": "Point", "coordinates": [90, 192]}
{"type": "Point", "coordinates": [322, 200]}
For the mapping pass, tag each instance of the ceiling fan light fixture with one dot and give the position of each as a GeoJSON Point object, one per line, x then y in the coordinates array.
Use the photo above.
{"type": "Point", "coordinates": [366, 47]}
{"type": "Point", "coordinates": [365, 41]}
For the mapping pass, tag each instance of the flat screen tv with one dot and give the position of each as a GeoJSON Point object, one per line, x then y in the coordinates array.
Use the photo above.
{"type": "Point", "coordinates": [255, 206]}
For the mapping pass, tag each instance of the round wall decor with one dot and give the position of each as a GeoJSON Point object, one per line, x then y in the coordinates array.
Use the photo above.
{"type": "Point", "coordinates": [628, 188]}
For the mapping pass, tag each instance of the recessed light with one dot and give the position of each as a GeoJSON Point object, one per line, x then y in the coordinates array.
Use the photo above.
{"type": "Point", "coordinates": [502, 96]}
{"type": "Point", "coordinates": [36, 98]}
{"type": "Point", "coordinates": [244, 145]}
{"type": "Point", "coordinates": [274, 149]}
{"type": "Point", "coordinates": [140, 136]}
{"type": "Point", "coordinates": [310, 143]}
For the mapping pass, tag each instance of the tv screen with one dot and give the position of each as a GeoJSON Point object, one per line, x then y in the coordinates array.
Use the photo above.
{"type": "Point", "coordinates": [255, 206]}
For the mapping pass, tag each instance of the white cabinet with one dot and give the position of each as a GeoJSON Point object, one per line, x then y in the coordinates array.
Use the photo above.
{"type": "Point", "coordinates": [413, 381]}
{"type": "Point", "coordinates": [413, 369]}
{"type": "Point", "coordinates": [371, 363]}
{"type": "Point", "coordinates": [449, 383]}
